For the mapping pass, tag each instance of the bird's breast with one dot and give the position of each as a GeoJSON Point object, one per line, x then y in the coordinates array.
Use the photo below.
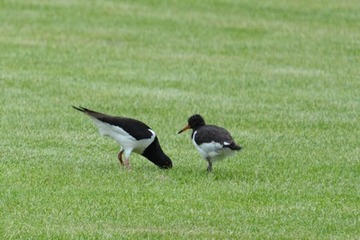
{"type": "Point", "coordinates": [123, 138]}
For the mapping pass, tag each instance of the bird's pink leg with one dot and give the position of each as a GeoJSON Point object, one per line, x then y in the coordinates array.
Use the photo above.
{"type": "Point", "coordinates": [120, 157]}
{"type": "Point", "coordinates": [127, 163]}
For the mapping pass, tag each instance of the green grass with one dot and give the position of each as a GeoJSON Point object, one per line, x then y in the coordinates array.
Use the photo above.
{"type": "Point", "coordinates": [282, 76]}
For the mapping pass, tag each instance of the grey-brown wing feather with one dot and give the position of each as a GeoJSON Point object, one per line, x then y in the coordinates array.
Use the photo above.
{"type": "Point", "coordinates": [209, 133]}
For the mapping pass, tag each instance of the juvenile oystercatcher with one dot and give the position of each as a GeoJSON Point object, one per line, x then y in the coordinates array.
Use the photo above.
{"type": "Point", "coordinates": [213, 142]}
{"type": "Point", "coordinates": [132, 136]}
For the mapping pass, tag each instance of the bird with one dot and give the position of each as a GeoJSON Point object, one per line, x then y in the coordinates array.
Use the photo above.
{"type": "Point", "coordinates": [213, 142]}
{"type": "Point", "coordinates": [132, 135]}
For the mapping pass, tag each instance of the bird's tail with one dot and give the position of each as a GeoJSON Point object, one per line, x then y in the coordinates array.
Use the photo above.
{"type": "Point", "coordinates": [84, 110]}
{"type": "Point", "coordinates": [88, 111]}
{"type": "Point", "coordinates": [81, 109]}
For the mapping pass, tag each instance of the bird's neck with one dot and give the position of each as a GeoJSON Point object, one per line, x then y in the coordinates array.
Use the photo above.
{"type": "Point", "coordinates": [154, 152]}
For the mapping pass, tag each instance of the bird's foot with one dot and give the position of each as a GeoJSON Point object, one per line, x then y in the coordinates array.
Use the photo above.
{"type": "Point", "coordinates": [127, 164]}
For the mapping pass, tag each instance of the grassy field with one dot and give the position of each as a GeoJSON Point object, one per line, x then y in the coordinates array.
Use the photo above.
{"type": "Point", "coordinates": [282, 76]}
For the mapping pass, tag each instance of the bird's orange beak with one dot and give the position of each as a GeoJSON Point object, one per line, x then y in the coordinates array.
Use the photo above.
{"type": "Point", "coordinates": [184, 129]}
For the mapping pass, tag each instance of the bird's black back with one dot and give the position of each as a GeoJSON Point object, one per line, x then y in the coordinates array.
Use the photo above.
{"type": "Point", "coordinates": [209, 133]}
{"type": "Point", "coordinates": [135, 128]}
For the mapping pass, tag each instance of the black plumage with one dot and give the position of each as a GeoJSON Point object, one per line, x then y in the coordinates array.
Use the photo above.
{"type": "Point", "coordinates": [212, 142]}
{"type": "Point", "coordinates": [132, 135]}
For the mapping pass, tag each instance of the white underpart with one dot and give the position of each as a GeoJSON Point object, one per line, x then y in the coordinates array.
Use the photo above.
{"type": "Point", "coordinates": [127, 142]}
{"type": "Point", "coordinates": [213, 150]}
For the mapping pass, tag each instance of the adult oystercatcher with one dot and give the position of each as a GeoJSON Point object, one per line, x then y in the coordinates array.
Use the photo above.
{"type": "Point", "coordinates": [213, 142]}
{"type": "Point", "coordinates": [132, 136]}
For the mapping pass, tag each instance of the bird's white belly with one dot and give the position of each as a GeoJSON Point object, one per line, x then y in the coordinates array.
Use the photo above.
{"type": "Point", "coordinates": [212, 150]}
{"type": "Point", "coordinates": [127, 141]}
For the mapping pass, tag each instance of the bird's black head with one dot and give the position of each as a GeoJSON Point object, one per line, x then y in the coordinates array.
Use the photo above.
{"type": "Point", "coordinates": [156, 155]}
{"type": "Point", "coordinates": [165, 162]}
{"type": "Point", "coordinates": [194, 122]}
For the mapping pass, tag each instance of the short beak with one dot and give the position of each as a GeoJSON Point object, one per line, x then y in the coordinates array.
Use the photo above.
{"type": "Point", "coordinates": [184, 129]}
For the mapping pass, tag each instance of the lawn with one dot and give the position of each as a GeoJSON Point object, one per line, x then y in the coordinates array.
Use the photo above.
{"type": "Point", "coordinates": [282, 76]}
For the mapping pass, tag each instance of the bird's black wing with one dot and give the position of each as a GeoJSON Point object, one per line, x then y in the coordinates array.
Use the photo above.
{"type": "Point", "coordinates": [135, 128]}
{"type": "Point", "coordinates": [209, 133]}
